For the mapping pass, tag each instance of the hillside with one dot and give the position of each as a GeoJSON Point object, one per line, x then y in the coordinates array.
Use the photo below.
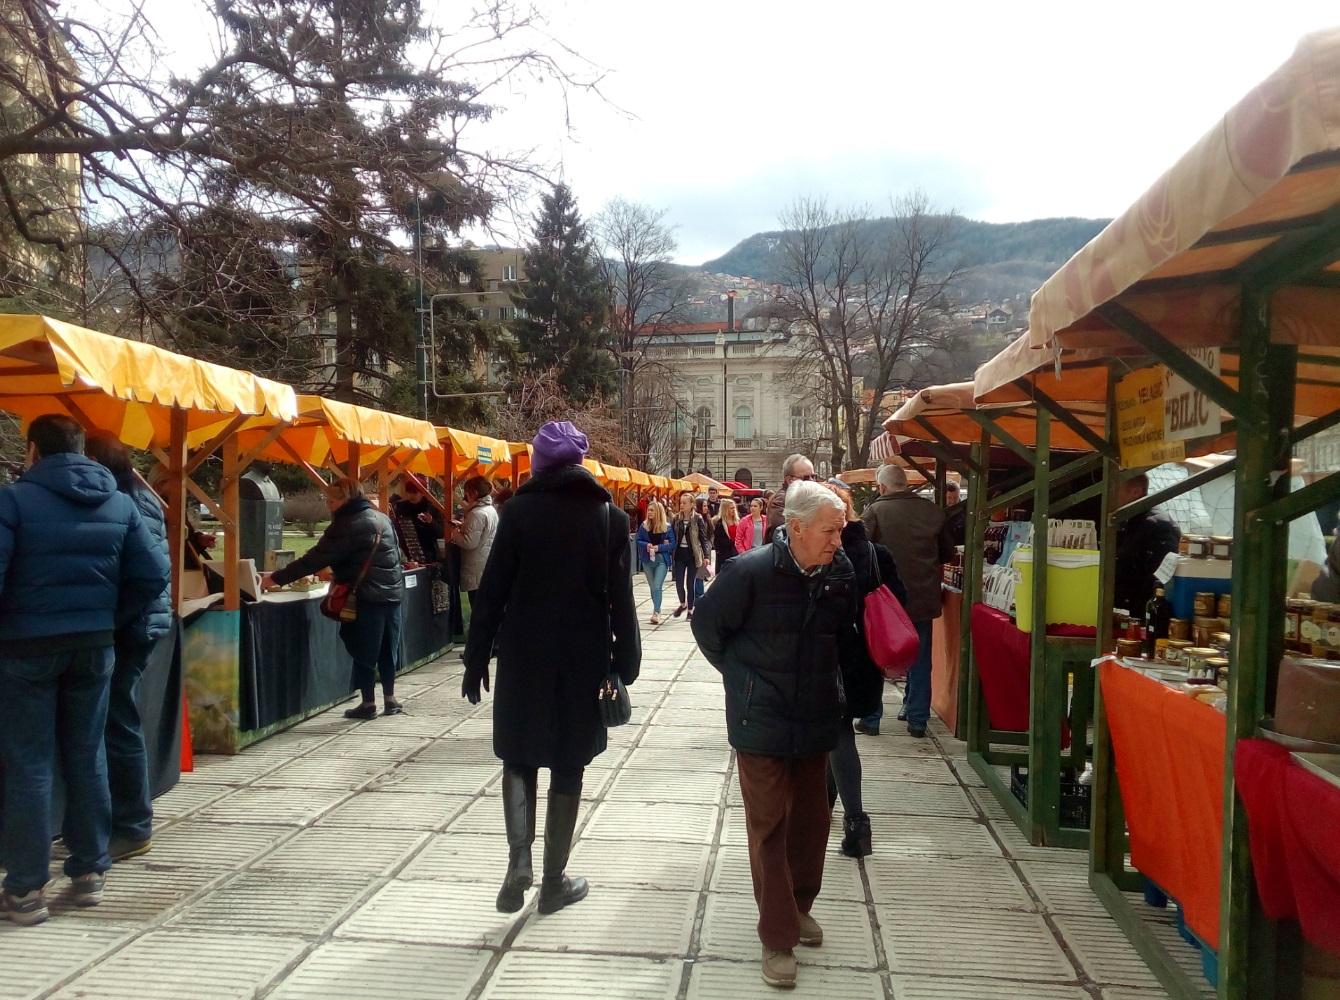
{"type": "Point", "coordinates": [1003, 259]}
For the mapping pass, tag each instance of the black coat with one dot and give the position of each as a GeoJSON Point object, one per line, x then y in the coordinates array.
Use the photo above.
{"type": "Point", "coordinates": [862, 680]}
{"type": "Point", "coordinates": [723, 543]}
{"type": "Point", "coordinates": [543, 598]}
{"type": "Point", "coordinates": [1142, 542]}
{"type": "Point", "coordinates": [344, 547]}
{"type": "Point", "coordinates": [774, 633]}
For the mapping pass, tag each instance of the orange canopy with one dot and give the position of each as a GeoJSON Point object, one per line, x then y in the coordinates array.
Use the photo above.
{"type": "Point", "coordinates": [945, 408]}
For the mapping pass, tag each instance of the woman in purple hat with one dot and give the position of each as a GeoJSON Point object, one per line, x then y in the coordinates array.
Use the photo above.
{"type": "Point", "coordinates": [557, 594]}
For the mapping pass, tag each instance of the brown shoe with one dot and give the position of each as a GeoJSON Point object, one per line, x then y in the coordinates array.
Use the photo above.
{"type": "Point", "coordinates": [779, 968]}
{"type": "Point", "coordinates": [811, 934]}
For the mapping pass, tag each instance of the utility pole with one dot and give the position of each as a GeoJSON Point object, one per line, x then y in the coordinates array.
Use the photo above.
{"type": "Point", "coordinates": [729, 296]}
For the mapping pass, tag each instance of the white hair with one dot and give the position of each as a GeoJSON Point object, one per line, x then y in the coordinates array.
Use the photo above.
{"type": "Point", "coordinates": [805, 499]}
{"type": "Point", "coordinates": [891, 477]}
{"type": "Point", "coordinates": [791, 462]}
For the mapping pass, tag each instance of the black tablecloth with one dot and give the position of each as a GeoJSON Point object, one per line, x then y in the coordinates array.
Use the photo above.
{"type": "Point", "coordinates": [292, 661]}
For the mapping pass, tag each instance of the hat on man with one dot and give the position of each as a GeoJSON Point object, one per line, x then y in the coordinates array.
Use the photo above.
{"type": "Point", "coordinates": [557, 443]}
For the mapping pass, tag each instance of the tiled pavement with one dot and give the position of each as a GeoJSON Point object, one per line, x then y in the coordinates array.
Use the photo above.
{"type": "Point", "coordinates": [360, 861]}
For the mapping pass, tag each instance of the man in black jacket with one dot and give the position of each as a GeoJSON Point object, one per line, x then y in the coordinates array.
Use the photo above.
{"type": "Point", "coordinates": [772, 624]}
{"type": "Point", "coordinates": [1142, 543]}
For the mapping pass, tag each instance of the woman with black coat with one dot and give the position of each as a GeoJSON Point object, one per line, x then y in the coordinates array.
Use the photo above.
{"type": "Point", "coordinates": [861, 679]}
{"type": "Point", "coordinates": [723, 533]}
{"type": "Point", "coordinates": [557, 601]}
{"type": "Point", "coordinates": [361, 550]}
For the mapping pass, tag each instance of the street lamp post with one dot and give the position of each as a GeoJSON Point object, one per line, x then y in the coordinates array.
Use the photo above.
{"type": "Point", "coordinates": [729, 298]}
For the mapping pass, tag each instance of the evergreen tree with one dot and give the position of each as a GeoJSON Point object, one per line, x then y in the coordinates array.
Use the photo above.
{"type": "Point", "coordinates": [565, 301]}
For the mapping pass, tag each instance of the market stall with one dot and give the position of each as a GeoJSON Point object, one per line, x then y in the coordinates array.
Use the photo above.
{"type": "Point", "coordinates": [152, 400]}
{"type": "Point", "coordinates": [1245, 264]}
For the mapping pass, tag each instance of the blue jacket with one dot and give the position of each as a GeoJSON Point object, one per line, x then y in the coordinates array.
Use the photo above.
{"type": "Point", "coordinates": [663, 551]}
{"type": "Point", "coordinates": [156, 620]}
{"type": "Point", "coordinates": [75, 557]}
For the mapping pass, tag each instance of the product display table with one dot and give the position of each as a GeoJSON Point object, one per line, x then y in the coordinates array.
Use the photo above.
{"type": "Point", "coordinates": [1293, 815]}
{"type": "Point", "coordinates": [1169, 751]}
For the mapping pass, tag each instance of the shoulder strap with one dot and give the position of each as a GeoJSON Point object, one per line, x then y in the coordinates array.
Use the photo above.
{"type": "Point", "coordinates": [874, 563]}
{"type": "Point", "coordinates": [605, 557]}
{"type": "Point", "coordinates": [367, 563]}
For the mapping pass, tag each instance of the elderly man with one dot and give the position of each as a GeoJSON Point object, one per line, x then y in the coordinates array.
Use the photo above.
{"type": "Point", "coordinates": [772, 624]}
{"type": "Point", "coordinates": [912, 528]}
{"type": "Point", "coordinates": [796, 468]}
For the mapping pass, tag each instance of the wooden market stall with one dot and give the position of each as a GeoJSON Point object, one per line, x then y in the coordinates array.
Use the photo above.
{"type": "Point", "coordinates": [155, 401]}
{"type": "Point", "coordinates": [1235, 248]}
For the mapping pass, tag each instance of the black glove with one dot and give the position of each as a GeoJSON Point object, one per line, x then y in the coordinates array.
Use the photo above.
{"type": "Point", "coordinates": [472, 680]}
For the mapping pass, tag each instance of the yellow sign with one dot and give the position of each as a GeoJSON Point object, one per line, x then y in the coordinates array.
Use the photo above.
{"type": "Point", "coordinates": [1140, 427]}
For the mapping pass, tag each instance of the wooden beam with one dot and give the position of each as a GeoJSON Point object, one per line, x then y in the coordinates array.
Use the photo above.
{"type": "Point", "coordinates": [201, 454]}
{"type": "Point", "coordinates": [1176, 359]}
{"type": "Point", "coordinates": [232, 535]}
{"type": "Point", "coordinates": [173, 462]}
{"type": "Point", "coordinates": [1300, 502]}
{"type": "Point", "coordinates": [302, 463]}
{"type": "Point", "coordinates": [194, 489]}
{"type": "Point", "coordinates": [1029, 455]}
{"type": "Point", "coordinates": [1314, 427]}
{"type": "Point", "coordinates": [252, 454]}
{"type": "Point", "coordinates": [947, 445]}
{"type": "Point", "coordinates": [1102, 446]}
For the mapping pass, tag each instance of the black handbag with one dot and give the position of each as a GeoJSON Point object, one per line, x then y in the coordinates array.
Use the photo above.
{"type": "Point", "coordinates": [615, 707]}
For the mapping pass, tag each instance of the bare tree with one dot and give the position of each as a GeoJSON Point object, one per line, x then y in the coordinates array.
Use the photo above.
{"type": "Point", "coordinates": [870, 296]}
{"type": "Point", "coordinates": [540, 397]}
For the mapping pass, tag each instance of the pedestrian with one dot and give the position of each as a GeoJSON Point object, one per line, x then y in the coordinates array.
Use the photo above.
{"type": "Point", "coordinates": [912, 528]}
{"type": "Point", "coordinates": [692, 544]}
{"type": "Point", "coordinates": [713, 501]}
{"type": "Point", "coordinates": [1143, 542]}
{"type": "Point", "coordinates": [473, 534]}
{"type": "Point", "coordinates": [557, 598]}
{"type": "Point", "coordinates": [862, 681]}
{"type": "Point", "coordinates": [956, 515]}
{"type": "Point", "coordinates": [76, 562]}
{"type": "Point", "coordinates": [796, 468]}
{"type": "Point", "coordinates": [127, 760]}
{"type": "Point", "coordinates": [413, 510]}
{"type": "Point", "coordinates": [773, 626]}
{"type": "Point", "coordinates": [655, 547]}
{"type": "Point", "coordinates": [751, 531]}
{"type": "Point", "coordinates": [723, 533]}
{"type": "Point", "coordinates": [359, 548]}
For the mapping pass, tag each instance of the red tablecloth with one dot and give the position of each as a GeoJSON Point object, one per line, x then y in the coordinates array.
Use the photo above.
{"type": "Point", "coordinates": [945, 645]}
{"type": "Point", "coordinates": [1293, 821]}
{"type": "Point", "coordinates": [1169, 751]}
{"type": "Point", "coordinates": [1002, 653]}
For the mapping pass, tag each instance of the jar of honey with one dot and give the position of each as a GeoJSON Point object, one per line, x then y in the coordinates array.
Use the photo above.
{"type": "Point", "coordinates": [1224, 606]}
{"type": "Point", "coordinates": [1179, 628]}
{"type": "Point", "coordinates": [1299, 610]}
{"type": "Point", "coordinates": [1129, 648]}
{"type": "Point", "coordinates": [1175, 654]}
{"type": "Point", "coordinates": [1205, 605]}
{"type": "Point", "coordinates": [1221, 547]}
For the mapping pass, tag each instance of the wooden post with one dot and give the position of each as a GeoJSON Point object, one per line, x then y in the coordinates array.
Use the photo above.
{"type": "Point", "coordinates": [978, 723]}
{"type": "Point", "coordinates": [353, 467]}
{"type": "Point", "coordinates": [231, 523]}
{"type": "Point", "coordinates": [1044, 716]}
{"type": "Point", "coordinates": [973, 561]}
{"type": "Point", "coordinates": [174, 495]}
{"type": "Point", "coordinates": [382, 470]}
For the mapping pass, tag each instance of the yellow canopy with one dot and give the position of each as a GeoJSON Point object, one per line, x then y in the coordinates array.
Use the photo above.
{"type": "Point", "coordinates": [122, 386]}
{"type": "Point", "coordinates": [471, 452]}
{"type": "Point", "coordinates": [595, 468]}
{"type": "Point", "coordinates": [639, 478]}
{"type": "Point", "coordinates": [325, 429]}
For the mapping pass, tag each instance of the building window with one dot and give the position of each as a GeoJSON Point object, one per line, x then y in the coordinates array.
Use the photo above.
{"type": "Point", "coordinates": [744, 423]}
{"type": "Point", "coordinates": [509, 272]}
{"type": "Point", "coordinates": [504, 314]}
{"type": "Point", "coordinates": [703, 422]}
{"type": "Point", "coordinates": [327, 353]}
{"type": "Point", "coordinates": [798, 423]}
{"type": "Point", "coordinates": [462, 278]}
{"type": "Point", "coordinates": [482, 312]}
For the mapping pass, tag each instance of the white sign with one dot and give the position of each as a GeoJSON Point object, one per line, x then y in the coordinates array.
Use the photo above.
{"type": "Point", "coordinates": [1187, 412]}
{"type": "Point", "coordinates": [411, 581]}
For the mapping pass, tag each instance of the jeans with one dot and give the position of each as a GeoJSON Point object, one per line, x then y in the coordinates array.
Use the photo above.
{"type": "Point", "coordinates": [127, 763]}
{"type": "Point", "coordinates": [56, 703]}
{"type": "Point", "coordinates": [373, 640]}
{"type": "Point", "coordinates": [686, 576]}
{"type": "Point", "coordinates": [917, 698]}
{"type": "Point", "coordinates": [655, 573]}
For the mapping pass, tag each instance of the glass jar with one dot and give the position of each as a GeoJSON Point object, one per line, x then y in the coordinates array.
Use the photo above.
{"type": "Point", "coordinates": [1221, 547]}
{"type": "Point", "coordinates": [1205, 604]}
{"type": "Point", "coordinates": [1179, 628]}
{"type": "Point", "coordinates": [1299, 610]}
{"type": "Point", "coordinates": [1224, 606]}
{"type": "Point", "coordinates": [1313, 629]}
{"type": "Point", "coordinates": [1129, 648]}
{"type": "Point", "coordinates": [1198, 547]}
{"type": "Point", "coordinates": [1175, 654]}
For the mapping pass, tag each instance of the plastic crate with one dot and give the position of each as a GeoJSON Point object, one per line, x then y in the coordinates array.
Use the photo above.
{"type": "Point", "coordinates": [1076, 799]}
{"type": "Point", "coordinates": [1072, 587]}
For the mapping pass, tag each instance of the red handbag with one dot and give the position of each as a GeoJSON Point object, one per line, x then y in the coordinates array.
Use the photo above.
{"type": "Point", "coordinates": [890, 637]}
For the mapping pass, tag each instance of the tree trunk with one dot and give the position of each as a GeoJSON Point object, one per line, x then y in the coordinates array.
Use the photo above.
{"type": "Point", "coordinates": [343, 301]}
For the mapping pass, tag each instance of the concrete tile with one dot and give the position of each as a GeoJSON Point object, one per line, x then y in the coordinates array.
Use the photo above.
{"type": "Point", "coordinates": [455, 779]}
{"type": "Point", "coordinates": [682, 736]}
{"type": "Point", "coordinates": [485, 816]}
{"type": "Point", "coordinates": [616, 921]}
{"type": "Point", "coordinates": [171, 964]}
{"type": "Point", "coordinates": [534, 975]}
{"type": "Point", "coordinates": [630, 822]}
{"type": "Point", "coordinates": [932, 835]}
{"type": "Point", "coordinates": [245, 767]}
{"type": "Point", "coordinates": [193, 843]}
{"type": "Point", "coordinates": [730, 930]}
{"type": "Point", "coordinates": [432, 912]}
{"type": "Point", "coordinates": [285, 806]}
{"type": "Point", "coordinates": [1104, 952]}
{"type": "Point", "coordinates": [1017, 847]}
{"type": "Point", "coordinates": [989, 943]}
{"type": "Point", "coordinates": [668, 866]}
{"type": "Point", "coordinates": [908, 881]}
{"type": "Point", "coordinates": [313, 850]}
{"type": "Point", "coordinates": [34, 959]}
{"type": "Point", "coordinates": [713, 980]}
{"type": "Point", "coordinates": [463, 857]}
{"type": "Point", "coordinates": [673, 759]}
{"type": "Point", "coordinates": [703, 787]}
{"type": "Point", "coordinates": [924, 987]}
{"type": "Point", "coordinates": [323, 772]}
{"type": "Point", "coordinates": [1063, 888]}
{"type": "Point", "coordinates": [397, 811]}
{"type": "Point", "coordinates": [915, 798]}
{"type": "Point", "coordinates": [137, 890]}
{"type": "Point", "coordinates": [187, 797]}
{"type": "Point", "coordinates": [384, 970]}
{"type": "Point", "coordinates": [275, 902]}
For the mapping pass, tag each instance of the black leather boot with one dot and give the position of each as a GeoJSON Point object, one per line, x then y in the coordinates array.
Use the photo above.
{"type": "Point", "coordinates": [557, 890]}
{"type": "Point", "coordinates": [856, 836]}
{"type": "Point", "coordinates": [518, 795]}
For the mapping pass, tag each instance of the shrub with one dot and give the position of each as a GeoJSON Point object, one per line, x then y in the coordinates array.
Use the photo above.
{"type": "Point", "coordinates": [306, 509]}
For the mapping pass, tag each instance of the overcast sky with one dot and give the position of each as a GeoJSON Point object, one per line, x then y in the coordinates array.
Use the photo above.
{"type": "Point", "coordinates": [723, 112]}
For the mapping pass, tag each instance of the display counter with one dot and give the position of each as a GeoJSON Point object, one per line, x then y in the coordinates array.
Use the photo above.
{"type": "Point", "coordinates": [253, 672]}
{"type": "Point", "coordinates": [1169, 751]}
{"type": "Point", "coordinates": [946, 641]}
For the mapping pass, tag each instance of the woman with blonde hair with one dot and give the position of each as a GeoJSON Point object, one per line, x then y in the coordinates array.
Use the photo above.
{"type": "Point", "coordinates": [723, 533]}
{"type": "Point", "coordinates": [655, 545]}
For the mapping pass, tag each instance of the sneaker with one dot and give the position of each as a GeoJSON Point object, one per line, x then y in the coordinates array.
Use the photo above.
{"type": "Point", "coordinates": [861, 726]}
{"type": "Point", "coordinates": [679, 610]}
{"type": "Point", "coordinates": [125, 848]}
{"type": "Point", "coordinates": [363, 711]}
{"type": "Point", "coordinates": [779, 968]}
{"type": "Point", "coordinates": [919, 732]}
{"type": "Point", "coordinates": [25, 910]}
{"type": "Point", "coordinates": [86, 890]}
{"type": "Point", "coordinates": [811, 934]}
{"type": "Point", "coordinates": [655, 618]}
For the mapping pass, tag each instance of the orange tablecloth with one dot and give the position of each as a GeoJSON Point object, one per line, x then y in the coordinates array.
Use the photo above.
{"type": "Point", "coordinates": [945, 645]}
{"type": "Point", "coordinates": [1170, 765]}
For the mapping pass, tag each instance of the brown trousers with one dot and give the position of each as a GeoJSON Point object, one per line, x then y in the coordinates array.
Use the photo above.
{"type": "Point", "coordinates": [786, 818]}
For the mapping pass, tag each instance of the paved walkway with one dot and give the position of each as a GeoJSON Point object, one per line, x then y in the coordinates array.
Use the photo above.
{"type": "Point", "coordinates": [360, 861]}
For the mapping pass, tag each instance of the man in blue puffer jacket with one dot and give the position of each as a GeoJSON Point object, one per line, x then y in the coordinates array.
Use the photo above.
{"type": "Point", "coordinates": [76, 562]}
{"type": "Point", "coordinates": [127, 761]}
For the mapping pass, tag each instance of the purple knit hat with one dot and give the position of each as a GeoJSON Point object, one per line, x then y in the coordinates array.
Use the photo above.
{"type": "Point", "coordinates": [557, 443]}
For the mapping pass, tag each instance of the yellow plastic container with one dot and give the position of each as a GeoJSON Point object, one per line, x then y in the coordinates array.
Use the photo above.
{"type": "Point", "coordinates": [1072, 587]}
